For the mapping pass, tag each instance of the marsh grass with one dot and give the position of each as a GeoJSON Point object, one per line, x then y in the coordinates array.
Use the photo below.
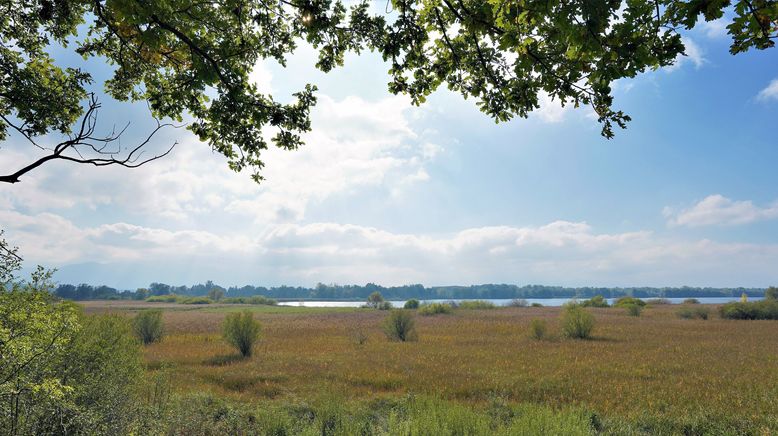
{"type": "Point", "coordinates": [663, 375]}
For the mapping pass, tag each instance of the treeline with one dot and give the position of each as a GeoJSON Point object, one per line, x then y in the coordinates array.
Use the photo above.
{"type": "Point", "coordinates": [357, 292]}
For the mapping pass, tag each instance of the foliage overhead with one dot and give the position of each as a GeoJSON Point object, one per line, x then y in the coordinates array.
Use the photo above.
{"type": "Point", "coordinates": [193, 59]}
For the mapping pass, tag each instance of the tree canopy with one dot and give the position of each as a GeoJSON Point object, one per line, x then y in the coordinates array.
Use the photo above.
{"type": "Point", "coordinates": [193, 59]}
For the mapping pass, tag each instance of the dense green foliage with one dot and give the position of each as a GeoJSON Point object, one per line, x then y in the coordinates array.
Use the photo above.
{"type": "Point", "coordinates": [411, 304]}
{"type": "Point", "coordinates": [633, 309]}
{"type": "Point", "coordinates": [193, 60]}
{"type": "Point", "coordinates": [577, 323]}
{"type": "Point", "coordinates": [435, 309]}
{"type": "Point", "coordinates": [538, 329]}
{"type": "Point", "coordinates": [629, 301]}
{"type": "Point", "coordinates": [765, 309]}
{"type": "Point", "coordinates": [692, 301]}
{"type": "Point", "coordinates": [596, 301]}
{"type": "Point", "coordinates": [476, 305]}
{"type": "Point", "coordinates": [771, 293]}
{"type": "Point", "coordinates": [147, 326]}
{"type": "Point", "coordinates": [375, 300]}
{"type": "Point", "coordinates": [400, 326]}
{"type": "Point", "coordinates": [241, 331]}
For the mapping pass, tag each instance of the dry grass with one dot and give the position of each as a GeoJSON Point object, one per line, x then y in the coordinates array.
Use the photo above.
{"type": "Point", "coordinates": [656, 364]}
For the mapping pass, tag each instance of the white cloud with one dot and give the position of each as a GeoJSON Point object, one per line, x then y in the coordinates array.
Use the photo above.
{"type": "Point", "coordinates": [720, 210]}
{"type": "Point", "coordinates": [715, 29]}
{"type": "Point", "coordinates": [694, 54]}
{"type": "Point", "coordinates": [571, 253]}
{"type": "Point", "coordinates": [770, 92]}
{"type": "Point", "coordinates": [355, 145]}
{"type": "Point", "coordinates": [551, 110]}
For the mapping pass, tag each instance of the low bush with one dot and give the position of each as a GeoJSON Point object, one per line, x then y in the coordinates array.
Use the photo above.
{"type": "Point", "coordinates": [536, 305]}
{"type": "Point", "coordinates": [765, 309]}
{"type": "Point", "coordinates": [385, 305]}
{"type": "Point", "coordinates": [400, 326]}
{"type": "Point", "coordinates": [476, 305]}
{"type": "Point", "coordinates": [693, 312]}
{"type": "Point", "coordinates": [626, 301]}
{"type": "Point", "coordinates": [169, 298]}
{"type": "Point", "coordinates": [596, 301]}
{"type": "Point", "coordinates": [658, 301]}
{"type": "Point", "coordinates": [147, 326]}
{"type": "Point", "coordinates": [633, 309]}
{"type": "Point", "coordinates": [411, 304]}
{"type": "Point", "coordinates": [241, 331]}
{"type": "Point", "coordinates": [435, 309]}
{"type": "Point", "coordinates": [517, 302]}
{"type": "Point", "coordinates": [254, 299]}
{"type": "Point", "coordinates": [538, 328]}
{"type": "Point", "coordinates": [577, 323]}
{"type": "Point", "coordinates": [691, 301]}
{"type": "Point", "coordinates": [194, 300]}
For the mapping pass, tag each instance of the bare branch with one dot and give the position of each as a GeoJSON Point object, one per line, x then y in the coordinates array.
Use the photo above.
{"type": "Point", "coordinates": [75, 147]}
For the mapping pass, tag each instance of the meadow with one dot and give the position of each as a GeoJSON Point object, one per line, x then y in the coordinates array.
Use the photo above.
{"type": "Point", "coordinates": [652, 374]}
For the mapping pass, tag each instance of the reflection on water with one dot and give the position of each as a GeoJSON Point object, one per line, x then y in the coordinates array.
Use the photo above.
{"type": "Point", "coordinates": [554, 302]}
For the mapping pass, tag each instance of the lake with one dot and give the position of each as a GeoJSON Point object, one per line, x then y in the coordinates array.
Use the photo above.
{"type": "Point", "coordinates": [552, 302]}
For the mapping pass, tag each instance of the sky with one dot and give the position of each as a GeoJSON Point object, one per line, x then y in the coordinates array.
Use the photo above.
{"type": "Point", "coordinates": [390, 193]}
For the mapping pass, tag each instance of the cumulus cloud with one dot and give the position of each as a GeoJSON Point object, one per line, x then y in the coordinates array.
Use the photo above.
{"type": "Point", "coordinates": [693, 54]}
{"type": "Point", "coordinates": [562, 252]}
{"type": "Point", "coordinates": [551, 110]}
{"type": "Point", "coordinates": [356, 144]}
{"type": "Point", "coordinates": [770, 92]}
{"type": "Point", "coordinates": [719, 210]}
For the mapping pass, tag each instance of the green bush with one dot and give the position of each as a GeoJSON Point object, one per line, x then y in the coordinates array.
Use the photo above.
{"type": "Point", "coordinates": [254, 299]}
{"type": "Point", "coordinates": [169, 298]}
{"type": "Point", "coordinates": [691, 301]}
{"type": "Point", "coordinates": [596, 301]}
{"type": "Point", "coordinates": [771, 293]}
{"type": "Point", "coordinates": [626, 301]}
{"type": "Point", "coordinates": [385, 305]}
{"type": "Point", "coordinates": [241, 331]}
{"type": "Point", "coordinates": [411, 304]}
{"type": "Point", "coordinates": [577, 323]}
{"type": "Point", "coordinates": [476, 305]}
{"type": "Point", "coordinates": [194, 300]}
{"type": "Point", "coordinates": [658, 301]}
{"type": "Point", "coordinates": [375, 300]}
{"type": "Point", "coordinates": [400, 326]}
{"type": "Point", "coordinates": [765, 309]}
{"type": "Point", "coordinates": [435, 309]}
{"type": "Point", "coordinates": [538, 328]}
{"type": "Point", "coordinates": [536, 305]}
{"type": "Point", "coordinates": [147, 326]}
{"type": "Point", "coordinates": [633, 309]}
{"type": "Point", "coordinates": [693, 312]}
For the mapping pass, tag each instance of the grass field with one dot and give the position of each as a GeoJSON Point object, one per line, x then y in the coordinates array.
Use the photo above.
{"type": "Point", "coordinates": [642, 373]}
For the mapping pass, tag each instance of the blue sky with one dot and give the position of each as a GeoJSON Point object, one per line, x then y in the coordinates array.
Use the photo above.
{"type": "Point", "coordinates": [438, 194]}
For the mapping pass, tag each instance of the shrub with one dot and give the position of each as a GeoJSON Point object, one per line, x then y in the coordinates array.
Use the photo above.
{"type": "Point", "coordinates": [385, 305]}
{"type": "Point", "coordinates": [626, 301]}
{"type": "Point", "coordinates": [691, 301]}
{"type": "Point", "coordinates": [518, 302]}
{"type": "Point", "coordinates": [216, 294]}
{"type": "Point", "coordinates": [435, 309]}
{"type": "Point", "coordinates": [536, 305]}
{"type": "Point", "coordinates": [577, 323]}
{"type": "Point", "coordinates": [538, 329]}
{"type": "Point", "coordinates": [693, 312]}
{"type": "Point", "coordinates": [476, 305]}
{"type": "Point", "coordinates": [194, 300]}
{"type": "Point", "coordinates": [411, 304]}
{"type": "Point", "coordinates": [633, 309]}
{"type": "Point", "coordinates": [766, 309]}
{"type": "Point", "coordinates": [169, 298]}
{"type": "Point", "coordinates": [375, 299]}
{"type": "Point", "coordinates": [147, 326]}
{"type": "Point", "coordinates": [771, 293]}
{"type": "Point", "coordinates": [656, 301]}
{"type": "Point", "coordinates": [400, 326]}
{"type": "Point", "coordinates": [255, 299]}
{"type": "Point", "coordinates": [596, 301]}
{"type": "Point", "coordinates": [241, 331]}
